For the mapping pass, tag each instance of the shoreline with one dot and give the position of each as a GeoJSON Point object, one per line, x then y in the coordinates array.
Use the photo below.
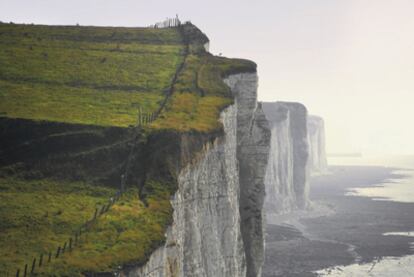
{"type": "Point", "coordinates": [341, 230]}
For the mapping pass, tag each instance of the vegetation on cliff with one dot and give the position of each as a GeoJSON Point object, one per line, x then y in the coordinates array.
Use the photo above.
{"type": "Point", "coordinates": [70, 97]}
{"type": "Point", "coordinates": [85, 75]}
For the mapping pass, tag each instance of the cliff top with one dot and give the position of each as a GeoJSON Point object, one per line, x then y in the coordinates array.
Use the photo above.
{"type": "Point", "coordinates": [104, 75]}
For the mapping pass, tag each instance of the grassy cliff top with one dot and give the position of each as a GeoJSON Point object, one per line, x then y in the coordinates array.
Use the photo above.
{"type": "Point", "coordinates": [103, 75]}
{"type": "Point", "coordinates": [86, 75]}
{"type": "Point", "coordinates": [53, 176]}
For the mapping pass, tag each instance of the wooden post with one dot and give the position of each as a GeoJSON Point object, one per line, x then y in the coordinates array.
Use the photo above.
{"type": "Point", "coordinates": [50, 257]}
{"type": "Point", "coordinates": [122, 183]}
{"type": "Point", "coordinates": [18, 273]}
{"type": "Point", "coordinates": [140, 116]}
{"type": "Point", "coordinates": [64, 247]}
{"type": "Point", "coordinates": [25, 270]}
{"type": "Point", "coordinates": [40, 260]}
{"type": "Point", "coordinates": [58, 252]}
{"type": "Point", "coordinates": [33, 265]}
{"type": "Point", "coordinates": [96, 213]}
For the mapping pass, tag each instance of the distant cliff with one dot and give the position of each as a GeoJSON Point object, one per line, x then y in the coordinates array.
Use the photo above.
{"type": "Point", "coordinates": [287, 172]}
{"type": "Point", "coordinates": [317, 155]}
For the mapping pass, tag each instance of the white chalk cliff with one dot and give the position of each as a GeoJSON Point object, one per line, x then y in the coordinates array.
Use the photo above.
{"type": "Point", "coordinates": [287, 172]}
{"type": "Point", "coordinates": [317, 155]}
{"type": "Point", "coordinates": [217, 227]}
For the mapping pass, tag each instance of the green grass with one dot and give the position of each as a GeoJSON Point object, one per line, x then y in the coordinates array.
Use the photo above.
{"type": "Point", "coordinates": [200, 93]}
{"type": "Point", "coordinates": [101, 75]}
{"type": "Point", "coordinates": [76, 105]}
{"type": "Point", "coordinates": [127, 234]}
{"type": "Point", "coordinates": [38, 216]}
{"type": "Point", "coordinates": [85, 75]}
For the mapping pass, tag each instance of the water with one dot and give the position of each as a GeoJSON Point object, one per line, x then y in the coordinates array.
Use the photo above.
{"type": "Point", "coordinates": [386, 267]}
{"type": "Point", "coordinates": [398, 190]}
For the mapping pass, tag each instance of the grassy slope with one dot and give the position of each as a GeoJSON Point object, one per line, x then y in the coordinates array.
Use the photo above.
{"type": "Point", "coordinates": [37, 216]}
{"type": "Point", "coordinates": [85, 75]}
{"type": "Point", "coordinates": [124, 235]}
{"type": "Point", "coordinates": [100, 76]}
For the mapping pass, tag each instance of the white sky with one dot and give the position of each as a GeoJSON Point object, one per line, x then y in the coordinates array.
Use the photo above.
{"type": "Point", "coordinates": [349, 61]}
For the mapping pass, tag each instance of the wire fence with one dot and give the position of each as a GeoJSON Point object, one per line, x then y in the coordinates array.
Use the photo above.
{"type": "Point", "coordinates": [167, 23]}
{"type": "Point", "coordinates": [145, 118]}
{"type": "Point", "coordinates": [44, 259]}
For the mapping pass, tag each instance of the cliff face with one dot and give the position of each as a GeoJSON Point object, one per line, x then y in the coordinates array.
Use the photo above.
{"type": "Point", "coordinates": [217, 225]}
{"type": "Point", "coordinates": [253, 139]}
{"type": "Point", "coordinates": [287, 170]}
{"type": "Point", "coordinates": [317, 155]}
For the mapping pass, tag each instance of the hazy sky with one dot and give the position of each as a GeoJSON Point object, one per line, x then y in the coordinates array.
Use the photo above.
{"type": "Point", "coordinates": [350, 61]}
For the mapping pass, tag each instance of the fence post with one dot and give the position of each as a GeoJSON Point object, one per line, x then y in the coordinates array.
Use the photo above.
{"type": "Point", "coordinates": [50, 257]}
{"type": "Point", "coordinates": [123, 182]}
{"type": "Point", "coordinates": [18, 273]}
{"type": "Point", "coordinates": [58, 252]}
{"type": "Point", "coordinates": [40, 260]}
{"type": "Point", "coordinates": [139, 116]}
{"type": "Point", "coordinates": [25, 270]}
{"type": "Point", "coordinates": [33, 265]}
{"type": "Point", "coordinates": [96, 213]}
{"type": "Point", "coordinates": [64, 247]}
